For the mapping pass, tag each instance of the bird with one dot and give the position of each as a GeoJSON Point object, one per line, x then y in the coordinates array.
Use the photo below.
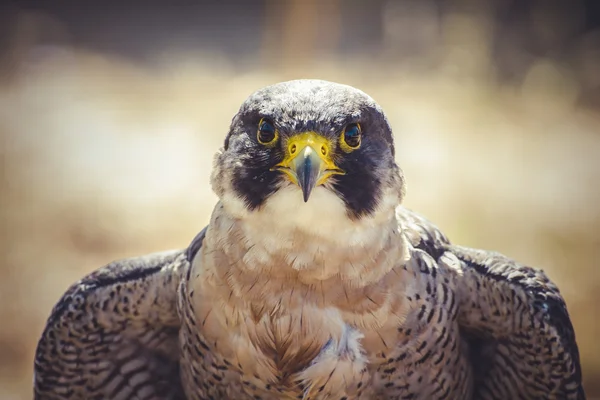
{"type": "Point", "coordinates": [311, 280]}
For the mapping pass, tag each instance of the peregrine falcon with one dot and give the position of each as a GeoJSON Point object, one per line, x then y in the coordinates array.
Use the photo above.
{"type": "Point", "coordinates": [311, 281]}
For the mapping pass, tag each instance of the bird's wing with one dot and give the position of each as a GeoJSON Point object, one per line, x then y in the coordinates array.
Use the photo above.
{"type": "Point", "coordinates": [114, 334]}
{"type": "Point", "coordinates": [521, 338]}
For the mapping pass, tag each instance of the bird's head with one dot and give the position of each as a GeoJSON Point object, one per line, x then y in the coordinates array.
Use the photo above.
{"type": "Point", "coordinates": [308, 149]}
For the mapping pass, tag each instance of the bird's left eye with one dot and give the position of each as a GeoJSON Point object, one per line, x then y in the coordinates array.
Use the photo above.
{"type": "Point", "coordinates": [267, 134]}
{"type": "Point", "coordinates": [351, 137]}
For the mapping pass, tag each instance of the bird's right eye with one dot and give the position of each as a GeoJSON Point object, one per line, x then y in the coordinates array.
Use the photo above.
{"type": "Point", "coordinates": [267, 134]}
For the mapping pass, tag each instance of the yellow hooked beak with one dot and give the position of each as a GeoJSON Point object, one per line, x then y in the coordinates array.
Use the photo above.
{"type": "Point", "coordinates": [308, 162]}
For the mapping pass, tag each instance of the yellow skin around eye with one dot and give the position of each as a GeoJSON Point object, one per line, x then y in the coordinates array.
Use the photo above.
{"type": "Point", "coordinates": [267, 144]}
{"type": "Point", "coordinates": [344, 146]}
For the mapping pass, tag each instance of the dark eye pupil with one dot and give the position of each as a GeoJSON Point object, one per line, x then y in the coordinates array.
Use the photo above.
{"type": "Point", "coordinates": [266, 132]}
{"type": "Point", "coordinates": [352, 135]}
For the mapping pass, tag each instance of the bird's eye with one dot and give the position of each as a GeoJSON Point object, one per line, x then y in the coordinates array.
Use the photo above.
{"type": "Point", "coordinates": [351, 137]}
{"type": "Point", "coordinates": [267, 134]}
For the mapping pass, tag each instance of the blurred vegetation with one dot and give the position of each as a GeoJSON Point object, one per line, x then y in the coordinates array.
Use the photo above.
{"type": "Point", "coordinates": [110, 115]}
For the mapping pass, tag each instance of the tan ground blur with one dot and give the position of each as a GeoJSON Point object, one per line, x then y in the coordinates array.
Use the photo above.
{"type": "Point", "coordinates": [103, 159]}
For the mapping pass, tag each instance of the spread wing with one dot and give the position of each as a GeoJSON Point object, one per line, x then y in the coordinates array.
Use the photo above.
{"type": "Point", "coordinates": [521, 338]}
{"type": "Point", "coordinates": [114, 334]}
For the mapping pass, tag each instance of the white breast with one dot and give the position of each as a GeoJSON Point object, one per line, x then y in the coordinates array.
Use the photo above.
{"type": "Point", "coordinates": [304, 231]}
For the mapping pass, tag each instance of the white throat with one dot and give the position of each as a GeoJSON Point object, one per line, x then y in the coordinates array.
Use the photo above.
{"type": "Point", "coordinates": [315, 240]}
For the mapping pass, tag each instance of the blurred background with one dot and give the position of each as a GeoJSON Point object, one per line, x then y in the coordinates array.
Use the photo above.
{"type": "Point", "coordinates": [110, 114]}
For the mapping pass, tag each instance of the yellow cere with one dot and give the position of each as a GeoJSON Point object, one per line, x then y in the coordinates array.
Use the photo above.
{"type": "Point", "coordinates": [302, 143]}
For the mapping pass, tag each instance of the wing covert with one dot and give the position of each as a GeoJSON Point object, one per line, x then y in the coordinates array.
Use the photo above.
{"type": "Point", "coordinates": [114, 334]}
{"type": "Point", "coordinates": [521, 337]}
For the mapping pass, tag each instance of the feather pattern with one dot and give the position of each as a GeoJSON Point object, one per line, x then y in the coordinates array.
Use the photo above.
{"type": "Point", "coordinates": [475, 323]}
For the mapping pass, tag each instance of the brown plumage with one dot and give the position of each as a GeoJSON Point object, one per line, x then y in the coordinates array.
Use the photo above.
{"type": "Point", "coordinates": [311, 286]}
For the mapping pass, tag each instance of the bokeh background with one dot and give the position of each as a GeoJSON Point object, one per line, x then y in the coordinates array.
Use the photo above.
{"type": "Point", "coordinates": [110, 114]}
